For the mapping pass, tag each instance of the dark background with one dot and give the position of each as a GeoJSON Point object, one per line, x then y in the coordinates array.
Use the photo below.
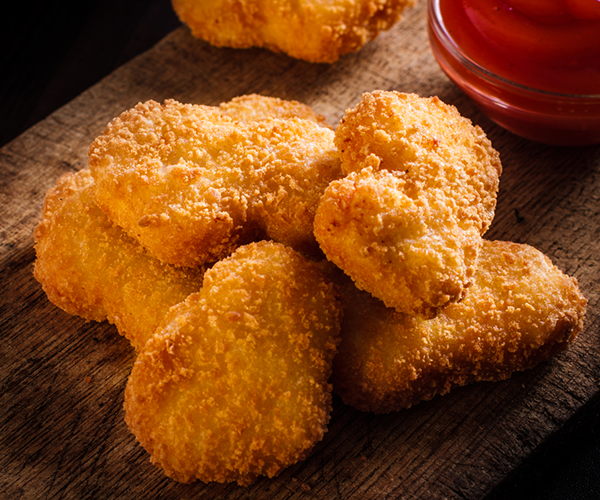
{"type": "Point", "coordinates": [51, 51]}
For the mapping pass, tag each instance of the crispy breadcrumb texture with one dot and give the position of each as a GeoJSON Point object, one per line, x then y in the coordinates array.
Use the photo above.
{"type": "Point", "coordinates": [255, 107]}
{"type": "Point", "coordinates": [89, 267]}
{"type": "Point", "coordinates": [521, 310]}
{"type": "Point", "coordinates": [192, 182]}
{"type": "Point", "coordinates": [406, 222]}
{"type": "Point", "coordinates": [234, 384]}
{"type": "Point", "coordinates": [411, 254]}
{"type": "Point", "coordinates": [311, 30]}
{"type": "Point", "coordinates": [429, 144]}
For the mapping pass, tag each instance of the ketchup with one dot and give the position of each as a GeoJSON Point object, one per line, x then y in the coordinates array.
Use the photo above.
{"type": "Point", "coordinates": [552, 45]}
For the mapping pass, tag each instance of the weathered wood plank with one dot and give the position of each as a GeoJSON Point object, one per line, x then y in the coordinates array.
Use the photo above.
{"type": "Point", "coordinates": [62, 380]}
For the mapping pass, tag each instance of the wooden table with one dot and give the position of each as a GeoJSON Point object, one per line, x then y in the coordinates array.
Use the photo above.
{"type": "Point", "coordinates": [62, 380]}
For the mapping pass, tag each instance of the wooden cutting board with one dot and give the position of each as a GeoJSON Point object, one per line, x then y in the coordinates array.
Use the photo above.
{"type": "Point", "coordinates": [62, 429]}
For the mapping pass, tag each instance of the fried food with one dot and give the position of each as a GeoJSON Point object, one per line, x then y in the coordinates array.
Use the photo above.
{"type": "Point", "coordinates": [234, 383]}
{"type": "Point", "coordinates": [520, 311]}
{"type": "Point", "coordinates": [255, 107]}
{"type": "Point", "coordinates": [406, 222]}
{"type": "Point", "coordinates": [90, 268]}
{"type": "Point", "coordinates": [191, 183]}
{"type": "Point", "coordinates": [311, 30]}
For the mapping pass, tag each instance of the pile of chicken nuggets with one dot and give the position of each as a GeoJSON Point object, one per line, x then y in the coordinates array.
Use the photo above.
{"type": "Point", "coordinates": [259, 260]}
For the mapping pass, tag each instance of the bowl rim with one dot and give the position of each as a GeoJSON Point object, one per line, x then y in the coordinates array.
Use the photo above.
{"type": "Point", "coordinates": [438, 27]}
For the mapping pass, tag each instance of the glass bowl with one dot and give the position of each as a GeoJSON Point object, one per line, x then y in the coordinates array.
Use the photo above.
{"type": "Point", "coordinates": [539, 115]}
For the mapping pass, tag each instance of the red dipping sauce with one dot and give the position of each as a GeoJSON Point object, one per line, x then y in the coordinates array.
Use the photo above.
{"type": "Point", "coordinates": [532, 65]}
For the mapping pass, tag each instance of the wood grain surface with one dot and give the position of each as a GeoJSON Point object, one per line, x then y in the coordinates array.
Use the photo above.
{"type": "Point", "coordinates": [62, 425]}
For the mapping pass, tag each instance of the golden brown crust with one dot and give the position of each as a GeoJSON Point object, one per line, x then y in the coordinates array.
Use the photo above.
{"type": "Point", "coordinates": [429, 143]}
{"type": "Point", "coordinates": [406, 222]}
{"type": "Point", "coordinates": [89, 267]}
{"type": "Point", "coordinates": [192, 183]}
{"type": "Point", "coordinates": [520, 311]}
{"type": "Point", "coordinates": [312, 30]}
{"type": "Point", "coordinates": [234, 383]}
{"type": "Point", "coordinates": [255, 107]}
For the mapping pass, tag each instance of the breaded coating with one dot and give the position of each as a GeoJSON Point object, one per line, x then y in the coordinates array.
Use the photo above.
{"type": "Point", "coordinates": [406, 222]}
{"type": "Point", "coordinates": [311, 30]}
{"type": "Point", "coordinates": [255, 107]}
{"type": "Point", "coordinates": [234, 384]}
{"type": "Point", "coordinates": [191, 183]}
{"type": "Point", "coordinates": [520, 311]}
{"type": "Point", "coordinates": [89, 267]}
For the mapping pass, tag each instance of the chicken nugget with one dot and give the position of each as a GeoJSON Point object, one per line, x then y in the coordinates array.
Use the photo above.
{"type": "Point", "coordinates": [311, 30]}
{"type": "Point", "coordinates": [89, 267]}
{"type": "Point", "coordinates": [234, 383]}
{"type": "Point", "coordinates": [406, 223]}
{"type": "Point", "coordinates": [521, 310]}
{"type": "Point", "coordinates": [191, 183]}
